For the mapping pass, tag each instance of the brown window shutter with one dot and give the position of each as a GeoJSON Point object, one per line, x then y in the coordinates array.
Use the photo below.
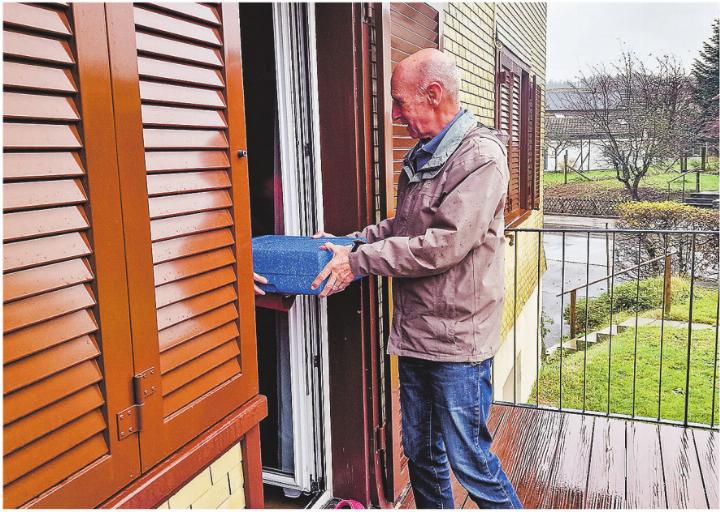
{"type": "Point", "coordinates": [187, 216]}
{"type": "Point", "coordinates": [64, 368]}
{"type": "Point", "coordinates": [537, 152]}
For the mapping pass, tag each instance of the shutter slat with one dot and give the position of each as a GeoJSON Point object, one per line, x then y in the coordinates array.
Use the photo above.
{"type": "Point", "coordinates": [181, 354]}
{"type": "Point", "coordinates": [42, 194]}
{"type": "Point", "coordinates": [165, 161]}
{"type": "Point", "coordinates": [189, 329]}
{"type": "Point", "coordinates": [427, 29]}
{"type": "Point", "coordinates": [37, 223]}
{"type": "Point", "coordinates": [41, 165]}
{"type": "Point", "coordinates": [417, 17]}
{"type": "Point", "coordinates": [161, 184]}
{"type": "Point", "coordinates": [44, 450]}
{"type": "Point", "coordinates": [180, 290]}
{"type": "Point", "coordinates": [189, 245]}
{"type": "Point", "coordinates": [188, 203]}
{"type": "Point", "coordinates": [173, 227]}
{"type": "Point", "coordinates": [180, 95]}
{"type": "Point", "coordinates": [40, 136]}
{"type": "Point", "coordinates": [183, 139]}
{"type": "Point", "coordinates": [27, 46]}
{"type": "Point", "coordinates": [55, 471]}
{"type": "Point", "coordinates": [33, 310]}
{"type": "Point", "coordinates": [195, 11]}
{"type": "Point", "coordinates": [195, 306]}
{"type": "Point", "coordinates": [52, 389]}
{"type": "Point", "coordinates": [176, 27]}
{"type": "Point", "coordinates": [157, 115]}
{"type": "Point", "coordinates": [157, 69]}
{"type": "Point", "coordinates": [26, 283]}
{"type": "Point", "coordinates": [48, 362]}
{"type": "Point", "coordinates": [36, 18]}
{"type": "Point", "coordinates": [35, 106]}
{"type": "Point", "coordinates": [200, 386]}
{"type": "Point", "coordinates": [28, 429]}
{"type": "Point", "coordinates": [33, 339]}
{"type": "Point", "coordinates": [29, 253]}
{"type": "Point", "coordinates": [38, 78]}
{"type": "Point", "coordinates": [192, 265]}
{"type": "Point", "coordinates": [181, 376]}
{"type": "Point", "coordinates": [154, 45]}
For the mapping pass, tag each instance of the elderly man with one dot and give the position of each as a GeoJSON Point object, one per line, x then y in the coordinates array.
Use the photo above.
{"type": "Point", "coordinates": [444, 247]}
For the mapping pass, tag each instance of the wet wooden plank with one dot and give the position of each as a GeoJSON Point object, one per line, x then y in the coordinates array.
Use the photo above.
{"type": "Point", "coordinates": [28, 429]}
{"type": "Point", "coordinates": [177, 378]}
{"type": "Point", "coordinates": [40, 337]}
{"type": "Point", "coordinates": [192, 265]}
{"type": "Point", "coordinates": [32, 47]}
{"type": "Point", "coordinates": [168, 161]}
{"type": "Point", "coordinates": [38, 223]}
{"type": "Point", "coordinates": [26, 283]}
{"type": "Point", "coordinates": [46, 449]}
{"type": "Point", "coordinates": [645, 486]}
{"type": "Point", "coordinates": [181, 354]}
{"type": "Point", "coordinates": [40, 107]}
{"type": "Point", "coordinates": [157, 69]}
{"type": "Point", "coordinates": [172, 227]}
{"type": "Point", "coordinates": [683, 480]}
{"type": "Point", "coordinates": [158, 115]}
{"type": "Point", "coordinates": [29, 253]}
{"type": "Point", "coordinates": [569, 472]}
{"type": "Point", "coordinates": [179, 28]}
{"type": "Point", "coordinates": [36, 18]}
{"type": "Point", "coordinates": [180, 95]}
{"type": "Point", "coordinates": [194, 306]}
{"type": "Point", "coordinates": [188, 330]}
{"type": "Point", "coordinates": [176, 248]}
{"type": "Point", "coordinates": [177, 183]}
{"type": "Point", "coordinates": [606, 480]}
{"type": "Point", "coordinates": [40, 78]}
{"type": "Point", "coordinates": [155, 45]}
{"type": "Point", "coordinates": [40, 136]}
{"type": "Point", "coordinates": [707, 446]}
{"type": "Point", "coordinates": [41, 165]}
{"type": "Point", "coordinates": [156, 138]}
{"type": "Point", "coordinates": [196, 285]}
{"type": "Point", "coordinates": [166, 206]}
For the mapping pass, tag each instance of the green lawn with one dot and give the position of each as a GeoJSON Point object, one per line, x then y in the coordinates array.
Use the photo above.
{"type": "Point", "coordinates": [607, 180]}
{"type": "Point", "coordinates": [674, 364]}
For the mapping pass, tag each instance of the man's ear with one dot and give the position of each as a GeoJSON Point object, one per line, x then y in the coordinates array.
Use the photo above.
{"type": "Point", "coordinates": [434, 93]}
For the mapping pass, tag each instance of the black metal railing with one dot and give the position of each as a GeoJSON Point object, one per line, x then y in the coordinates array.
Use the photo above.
{"type": "Point", "coordinates": [642, 342]}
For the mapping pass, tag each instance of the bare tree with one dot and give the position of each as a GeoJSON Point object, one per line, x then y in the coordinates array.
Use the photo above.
{"type": "Point", "coordinates": [641, 114]}
{"type": "Point", "coordinates": [557, 142]}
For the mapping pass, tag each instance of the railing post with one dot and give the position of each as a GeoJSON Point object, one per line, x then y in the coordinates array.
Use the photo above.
{"type": "Point", "coordinates": [667, 284]}
{"type": "Point", "coordinates": [703, 162]}
{"type": "Point", "coordinates": [565, 167]}
{"type": "Point", "coordinates": [573, 297]}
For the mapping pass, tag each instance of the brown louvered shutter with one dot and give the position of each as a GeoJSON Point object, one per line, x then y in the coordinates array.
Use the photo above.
{"type": "Point", "coordinates": [537, 148]}
{"type": "Point", "coordinates": [413, 26]}
{"type": "Point", "coordinates": [66, 337]}
{"type": "Point", "coordinates": [177, 76]}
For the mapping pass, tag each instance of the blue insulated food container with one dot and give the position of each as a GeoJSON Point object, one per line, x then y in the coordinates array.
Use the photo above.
{"type": "Point", "coordinates": [291, 263]}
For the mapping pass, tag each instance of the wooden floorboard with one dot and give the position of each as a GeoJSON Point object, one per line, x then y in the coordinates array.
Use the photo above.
{"type": "Point", "coordinates": [683, 480]}
{"type": "Point", "coordinates": [606, 478]}
{"type": "Point", "coordinates": [707, 445]}
{"type": "Point", "coordinates": [569, 472]}
{"type": "Point", "coordinates": [645, 485]}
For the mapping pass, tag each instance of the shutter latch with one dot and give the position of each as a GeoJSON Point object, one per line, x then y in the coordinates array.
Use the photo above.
{"type": "Point", "coordinates": [129, 420]}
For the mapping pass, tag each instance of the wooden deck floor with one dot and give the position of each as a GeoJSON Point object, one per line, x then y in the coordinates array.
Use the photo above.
{"type": "Point", "coordinates": [564, 460]}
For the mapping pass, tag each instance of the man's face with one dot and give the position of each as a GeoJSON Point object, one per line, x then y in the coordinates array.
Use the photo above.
{"type": "Point", "coordinates": [409, 107]}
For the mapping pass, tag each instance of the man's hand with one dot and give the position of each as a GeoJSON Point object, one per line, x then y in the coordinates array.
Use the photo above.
{"type": "Point", "coordinates": [338, 269]}
{"type": "Point", "coordinates": [322, 234]}
{"type": "Point", "coordinates": [259, 279]}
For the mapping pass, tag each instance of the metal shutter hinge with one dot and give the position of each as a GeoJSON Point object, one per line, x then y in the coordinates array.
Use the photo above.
{"type": "Point", "coordinates": [129, 420]}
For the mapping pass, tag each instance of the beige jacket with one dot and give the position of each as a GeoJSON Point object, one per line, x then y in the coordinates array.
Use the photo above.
{"type": "Point", "coordinates": [445, 249]}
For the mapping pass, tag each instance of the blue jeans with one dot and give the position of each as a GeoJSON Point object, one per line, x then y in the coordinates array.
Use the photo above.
{"type": "Point", "coordinates": [445, 408]}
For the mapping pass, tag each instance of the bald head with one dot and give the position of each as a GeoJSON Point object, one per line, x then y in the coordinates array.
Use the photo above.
{"type": "Point", "coordinates": [425, 89]}
{"type": "Point", "coordinates": [429, 66]}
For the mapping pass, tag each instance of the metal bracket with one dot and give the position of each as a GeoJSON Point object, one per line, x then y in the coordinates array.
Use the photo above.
{"type": "Point", "coordinates": [380, 438]}
{"type": "Point", "coordinates": [145, 384]}
{"type": "Point", "coordinates": [129, 420]}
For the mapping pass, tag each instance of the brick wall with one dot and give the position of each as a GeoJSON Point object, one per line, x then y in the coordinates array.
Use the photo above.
{"type": "Point", "coordinates": [219, 486]}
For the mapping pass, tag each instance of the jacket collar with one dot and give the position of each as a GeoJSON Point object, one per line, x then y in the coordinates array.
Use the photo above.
{"type": "Point", "coordinates": [447, 147]}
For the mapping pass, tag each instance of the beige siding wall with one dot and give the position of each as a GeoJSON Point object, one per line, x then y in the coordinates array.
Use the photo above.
{"type": "Point", "coordinates": [470, 32]}
{"type": "Point", "coordinates": [218, 486]}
